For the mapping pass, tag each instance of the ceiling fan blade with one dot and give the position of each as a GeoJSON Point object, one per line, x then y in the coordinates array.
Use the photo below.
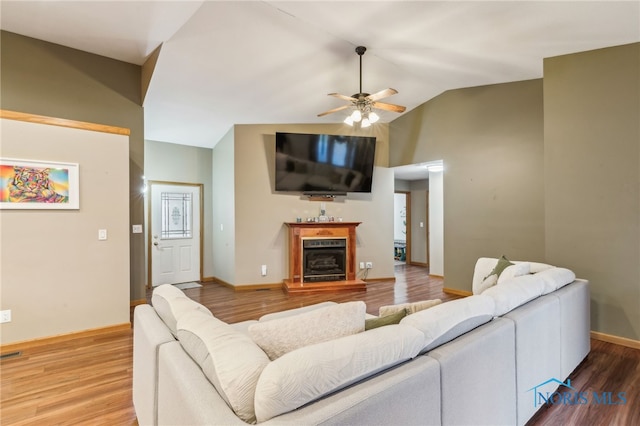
{"type": "Point", "coordinates": [388, 107]}
{"type": "Point", "coordinates": [331, 111]}
{"type": "Point", "coordinates": [343, 97]}
{"type": "Point", "coordinates": [382, 94]}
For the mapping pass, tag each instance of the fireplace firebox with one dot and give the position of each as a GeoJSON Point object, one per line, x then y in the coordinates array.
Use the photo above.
{"type": "Point", "coordinates": [324, 259]}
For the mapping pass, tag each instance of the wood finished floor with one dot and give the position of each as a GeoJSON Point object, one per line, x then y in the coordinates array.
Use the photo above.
{"type": "Point", "coordinates": [87, 381]}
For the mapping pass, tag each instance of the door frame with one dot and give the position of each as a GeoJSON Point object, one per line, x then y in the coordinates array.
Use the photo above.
{"type": "Point", "coordinates": [407, 249]}
{"type": "Point", "coordinates": [150, 184]}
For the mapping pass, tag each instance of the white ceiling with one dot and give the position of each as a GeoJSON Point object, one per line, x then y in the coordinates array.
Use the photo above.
{"type": "Point", "coordinates": [249, 62]}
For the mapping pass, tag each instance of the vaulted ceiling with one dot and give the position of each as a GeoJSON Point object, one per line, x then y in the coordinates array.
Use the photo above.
{"type": "Point", "coordinates": [249, 62]}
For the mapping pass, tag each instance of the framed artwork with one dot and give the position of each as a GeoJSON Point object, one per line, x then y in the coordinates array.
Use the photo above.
{"type": "Point", "coordinates": [33, 184]}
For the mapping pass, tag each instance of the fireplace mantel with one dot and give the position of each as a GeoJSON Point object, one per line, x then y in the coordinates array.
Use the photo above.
{"type": "Point", "coordinates": [300, 231]}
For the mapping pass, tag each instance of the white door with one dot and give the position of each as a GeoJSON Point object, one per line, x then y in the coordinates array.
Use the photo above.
{"type": "Point", "coordinates": [175, 234]}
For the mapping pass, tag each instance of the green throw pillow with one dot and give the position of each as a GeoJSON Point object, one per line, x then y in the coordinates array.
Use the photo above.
{"type": "Point", "coordinates": [502, 264]}
{"type": "Point", "coordinates": [386, 320]}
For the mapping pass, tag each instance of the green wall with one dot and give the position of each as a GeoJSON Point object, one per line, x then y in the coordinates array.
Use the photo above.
{"type": "Point", "coordinates": [592, 178]}
{"type": "Point", "coordinates": [554, 178]}
{"type": "Point", "coordinates": [491, 141]}
{"type": "Point", "coordinates": [42, 78]}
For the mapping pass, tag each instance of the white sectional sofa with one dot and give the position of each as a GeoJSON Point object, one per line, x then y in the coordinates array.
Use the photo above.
{"type": "Point", "coordinates": [469, 361]}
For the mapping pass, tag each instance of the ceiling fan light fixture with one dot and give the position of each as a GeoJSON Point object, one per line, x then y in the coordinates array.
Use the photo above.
{"type": "Point", "coordinates": [365, 123]}
{"type": "Point", "coordinates": [348, 120]}
{"type": "Point", "coordinates": [363, 103]}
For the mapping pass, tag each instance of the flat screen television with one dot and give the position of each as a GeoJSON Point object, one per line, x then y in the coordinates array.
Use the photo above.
{"type": "Point", "coordinates": [324, 164]}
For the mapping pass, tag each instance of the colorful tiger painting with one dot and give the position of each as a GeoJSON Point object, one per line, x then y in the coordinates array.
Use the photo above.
{"type": "Point", "coordinates": [33, 185]}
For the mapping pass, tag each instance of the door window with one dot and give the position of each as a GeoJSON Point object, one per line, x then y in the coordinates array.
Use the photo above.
{"type": "Point", "coordinates": [176, 215]}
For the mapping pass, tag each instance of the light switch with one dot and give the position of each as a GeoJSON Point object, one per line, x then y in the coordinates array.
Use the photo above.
{"type": "Point", "coordinates": [102, 234]}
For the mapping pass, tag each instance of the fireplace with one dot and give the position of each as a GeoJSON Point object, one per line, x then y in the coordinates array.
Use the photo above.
{"type": "Point", "coordinates": [324, 259]}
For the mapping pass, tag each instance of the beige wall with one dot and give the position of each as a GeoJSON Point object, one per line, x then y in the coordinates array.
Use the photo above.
{"type": "Point", "coordinates": [260, 213]}
{"type": "Point", "coordinates": [491, 141]}
{"type": "Point", "coordinates": [592, 178]}
{"type": "Point", "coordinates": [48, 79]}
{"type": "Point", "coordinates": [56, 277]}
{"type": "Point", "coordinates": [175, 163]}
{"type": "Point", "coordinates": [223, 199]}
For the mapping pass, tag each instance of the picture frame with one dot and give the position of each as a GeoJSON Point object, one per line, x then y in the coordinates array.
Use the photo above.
{"type": "Point", "coordinates": [35, 184]}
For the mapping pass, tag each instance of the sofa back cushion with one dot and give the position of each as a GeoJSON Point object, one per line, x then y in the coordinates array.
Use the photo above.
{"type": "Point", "coordinates": [279, 336]}
{"type": "Point", "coordinates": [308, 373]}
{"type": "Point", "coordinates": [295, 311]}
{"type": "Point", "coordinates": [555, 278]}
{"type": "Point", "coordinates": [449, 320]}
{"type": "Point", "coordinates": [515, 292]}
{"type": "Point", "coordinates": [171, 303]}
{"type": "Point", "coordinates": [411, 307]}
{"type": "Point", "coordinates": [230, 360]}
{"type": "Point", "coordinates": [484, 266]}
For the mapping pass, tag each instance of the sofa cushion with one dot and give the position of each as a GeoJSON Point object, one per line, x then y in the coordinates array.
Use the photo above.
{"type": "Point", "coordinates": [230, 360]}
{"type": "Point", "coordinates": [295, 311]}
{"type": "Point", "coordinates": [394, 318]}
{"type": "Point", "coordinates": [515, 270]}
{"type": "Point", "coordinates": [171, 303]}
{"type": "Point", "coordinates": [308, 373]}
{"type": "Point", "coordinates": [279, 336]}
{"type": "Point", "coordinates": [411, 308]}
{"type": "Point", "coordinates": [488, 282]}
{"type": "Point", "coordinates": [481, 271]}
{"type": "Point", "coordinates": [502, 264]}
{"type": "Point", "coordinates": [515, 292]}
{"type": "Point", "coordinates": [449, 320]}
{"type": "Point", "coordinates": [484, 266]}
{"type": "Point", "coordinates": [555, 278]}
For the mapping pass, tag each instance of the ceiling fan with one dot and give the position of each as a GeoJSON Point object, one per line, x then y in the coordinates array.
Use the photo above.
{"type": "Point", "coordinates": [364, 103]}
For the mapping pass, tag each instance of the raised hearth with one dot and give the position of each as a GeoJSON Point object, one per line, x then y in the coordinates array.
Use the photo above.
{"type": "Point", "coordinates": [322, 257]}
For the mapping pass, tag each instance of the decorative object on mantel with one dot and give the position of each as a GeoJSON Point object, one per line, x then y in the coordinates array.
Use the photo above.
{"type": "Point", "coordinates": [364, 103]}
{"type": "Point", "coordinates": [322, 257]}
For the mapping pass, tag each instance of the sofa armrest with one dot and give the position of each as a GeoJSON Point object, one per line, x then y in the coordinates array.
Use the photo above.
{"type": "Point", "coordinates": [149, 332]}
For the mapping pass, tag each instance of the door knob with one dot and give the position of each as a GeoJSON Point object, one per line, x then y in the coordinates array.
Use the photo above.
{"type": "Point", "coordinates": [155, 243]}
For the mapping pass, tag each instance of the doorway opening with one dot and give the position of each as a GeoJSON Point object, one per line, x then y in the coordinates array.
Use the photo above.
{"type": "Point", "coordinates": [401, 227]}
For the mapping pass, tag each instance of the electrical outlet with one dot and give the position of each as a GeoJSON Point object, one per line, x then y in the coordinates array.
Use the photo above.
{"type": "Point", "coordinates": [5, 316]}
{"type": "Point", "coordinates": [369, 265]}
{"type": "Point", "coordinates": [361, 265]}
{"type": "Point", "coordinates": [264, 270]}
{"type": "Point", "coordinates": [102, 234]}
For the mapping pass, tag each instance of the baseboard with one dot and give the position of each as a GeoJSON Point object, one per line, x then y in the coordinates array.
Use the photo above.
{"type": "Point", "coordinates": [207, 279]}
{"type": "Point", "coordinates": [135, 303]}
{"type": "Point", "coordinates": [622, 341]}
{"type": "Point", "coordinates": [463, 293]}
{"type": "Point", "coordinates": [424, 265]}
{"type": "Point", "coordinates": [27, 344]}
{"type": "Point", "coordinates": [436, 276]}
{"type": "Point", "coordinates": [375, 280]}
